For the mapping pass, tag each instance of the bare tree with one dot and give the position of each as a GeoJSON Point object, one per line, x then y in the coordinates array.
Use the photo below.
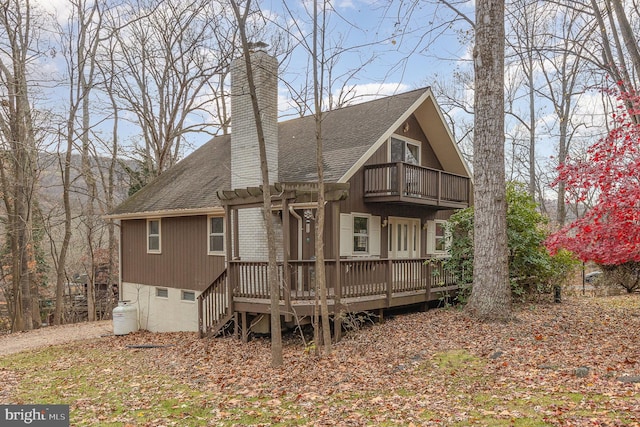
{"type": "Point", "coordinates": [616, 53]}
{"type": "Point", "coordinates": [318, 79]}
{"type": "Point", "coordinates": [80, 40]}
{"type": "Point", "coordinates": [527, 21]}
{"type": "Point", "coordinates": [561, 65]}
{"type": "Point", "coordinates": [18, 161]}
{"type": "Point", "coordinates": [166, 57]}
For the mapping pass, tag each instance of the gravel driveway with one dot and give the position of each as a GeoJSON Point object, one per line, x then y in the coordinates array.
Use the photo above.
{"type": "Point", "coordinates": [53, 335]}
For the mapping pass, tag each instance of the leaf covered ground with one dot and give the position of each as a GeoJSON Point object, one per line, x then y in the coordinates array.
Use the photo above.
{"type": "Point", "coordinates": [569, 364]}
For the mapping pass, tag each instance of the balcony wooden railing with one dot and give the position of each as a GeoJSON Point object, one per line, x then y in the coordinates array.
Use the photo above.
{"type": "Point", "coordinates": [404, 182]}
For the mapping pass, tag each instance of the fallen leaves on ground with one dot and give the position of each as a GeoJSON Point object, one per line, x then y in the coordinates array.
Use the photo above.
{"type": "Point", "coordinates": [431, 368]}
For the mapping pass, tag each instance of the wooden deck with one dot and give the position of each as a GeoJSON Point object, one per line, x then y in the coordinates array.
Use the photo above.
{"type": "Point", "coordinates": [354, 285]}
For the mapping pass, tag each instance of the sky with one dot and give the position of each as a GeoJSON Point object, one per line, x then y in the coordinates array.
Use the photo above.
{"type": "Point", "coordinates": [401, 45]}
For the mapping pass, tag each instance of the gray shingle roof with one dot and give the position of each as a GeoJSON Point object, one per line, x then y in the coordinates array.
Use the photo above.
{"type": "Point", "coordinates": [347, 134]}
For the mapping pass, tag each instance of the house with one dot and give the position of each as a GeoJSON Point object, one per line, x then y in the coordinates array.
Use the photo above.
{"type": "Point", "coordinates": [192, 246]}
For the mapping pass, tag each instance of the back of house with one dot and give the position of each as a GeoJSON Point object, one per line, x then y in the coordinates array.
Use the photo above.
{"type": "Point", "coordinates": [195, 234]}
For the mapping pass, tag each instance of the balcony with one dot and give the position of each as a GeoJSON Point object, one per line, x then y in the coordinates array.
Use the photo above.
{"type": "Point", "coordinates": [410, 184]}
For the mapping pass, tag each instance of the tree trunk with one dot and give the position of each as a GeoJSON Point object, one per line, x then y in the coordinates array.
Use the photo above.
{"type": "Point", "coordinates": [533, 182]}
{"type": "Point", "coordinates": [491, 295]}
{"type": "Point", "coordinates": [628, 36]}
{"type": "Point", "coordinates": [61, 277]}
{"type": "Point", "coordinates": [272, 274]}
{"type": "Point", "coordinates": [89, 211]}
{"type": "Point", "coordinates": [321, 279]}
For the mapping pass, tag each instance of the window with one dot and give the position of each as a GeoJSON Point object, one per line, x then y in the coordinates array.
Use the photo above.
{"type": "Point", "coordinates": [153, 235]}
{"type": "Point", "coordinates": [216, 235]}
{"type": "Point", "coordinates": [188, 296]}
{"type": "Point", "coordinates": [360, 234]}
{"type": "Point", "coordinates": [440, 237]}
{"type": "Point", "coordinates": [162, 292]}
{"type": "Point", "coordinates": [404, 151]}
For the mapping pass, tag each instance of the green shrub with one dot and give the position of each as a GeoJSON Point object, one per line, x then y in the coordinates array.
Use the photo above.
{"type": "Point", "coordinates": [531, 269]}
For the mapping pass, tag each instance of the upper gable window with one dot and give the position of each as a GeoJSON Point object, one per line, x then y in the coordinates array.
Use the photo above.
{"type": "Point", "coordinates": [404, 151]}
{"type": "Point", "coordinates": [216, 235]}
{"type": "Point", "coordinates": [153, 236]}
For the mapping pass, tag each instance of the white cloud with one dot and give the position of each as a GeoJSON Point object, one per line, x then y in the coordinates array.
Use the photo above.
{"type": "Point", "coordinates": [61, 9]}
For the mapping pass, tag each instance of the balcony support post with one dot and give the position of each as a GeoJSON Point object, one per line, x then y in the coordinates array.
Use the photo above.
{"type": "Point", "coordinates": [439, 187]}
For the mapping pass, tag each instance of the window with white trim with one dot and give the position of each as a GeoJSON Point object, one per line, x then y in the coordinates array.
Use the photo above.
{"type": "Point", "coordinates": [360, 234]}
{"type": "Point", "coordinates": [162, 292]}
{"type": "Point", "coordinates": [439, 238]}
{"type": "Point", "coordinates": [216, 235]}
{"type": "Point", "coordinates": [189, 296]}
{"type": "Point", "coordinates": [153, 236]}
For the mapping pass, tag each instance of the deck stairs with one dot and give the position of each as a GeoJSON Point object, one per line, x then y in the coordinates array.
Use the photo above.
{"type": "Point", "coordinates": [214, 307]}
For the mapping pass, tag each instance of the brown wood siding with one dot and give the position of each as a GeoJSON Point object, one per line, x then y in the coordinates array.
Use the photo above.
{"type": "Point", "coordinates": [429, 158]}
{"type": "Point", "coordinates": [309, 246]}
{"type": "Point", "coordinates": [183, 263]}
{"type": "Point", "coordinates": [355, 201]}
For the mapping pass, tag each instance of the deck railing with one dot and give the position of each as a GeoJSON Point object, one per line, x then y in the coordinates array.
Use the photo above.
{"type": "Point", "coordinates": [214, 306]}
{"type": "Point", "coordinates": [354, 278]}
{"type": "Point", "coordinates": [404, 179]}
{"type": "Point", "coordinates": [358, 278]}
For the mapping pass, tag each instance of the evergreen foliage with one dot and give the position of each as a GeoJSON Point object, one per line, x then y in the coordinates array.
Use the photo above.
{"type": "Point", "coordinates": [532, 270]}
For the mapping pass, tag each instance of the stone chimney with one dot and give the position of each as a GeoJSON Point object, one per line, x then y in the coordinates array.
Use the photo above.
{"type": "Point", "coordinates": [245, 154]}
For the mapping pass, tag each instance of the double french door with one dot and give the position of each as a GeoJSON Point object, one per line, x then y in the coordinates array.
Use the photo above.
{"type": "Point", "coordinates": [404, 237]}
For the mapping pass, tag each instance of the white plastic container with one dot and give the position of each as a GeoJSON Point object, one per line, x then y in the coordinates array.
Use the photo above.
{"type": "Point", "coordinates": [125, 318]}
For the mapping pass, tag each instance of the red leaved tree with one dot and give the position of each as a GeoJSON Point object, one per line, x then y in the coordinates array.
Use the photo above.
{"type": "Point", "coordinates": [609, 232]}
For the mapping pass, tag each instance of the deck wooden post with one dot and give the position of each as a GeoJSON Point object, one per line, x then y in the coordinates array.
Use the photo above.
{"type": "Point", "coordinates": [337, 285]}
{"type": "Point", "coordinates": [200, 319]}
{"type": "Point", "coordinates": [428, 281]}
{"type": "Point", "coordinates": [236, 326]}
{"type": "Point", "coordinates": [389, 278]}
{"type": "Point", "coordinates": [236, 234]}
{"type": "Point", "coordinates": [245, 332]}
{"type": "Point", "coordinates": [230, 228]}
{"type": "Point", "coordinates": [401, 179]}
{"type": "Point", "coordinates": [286, 255]}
